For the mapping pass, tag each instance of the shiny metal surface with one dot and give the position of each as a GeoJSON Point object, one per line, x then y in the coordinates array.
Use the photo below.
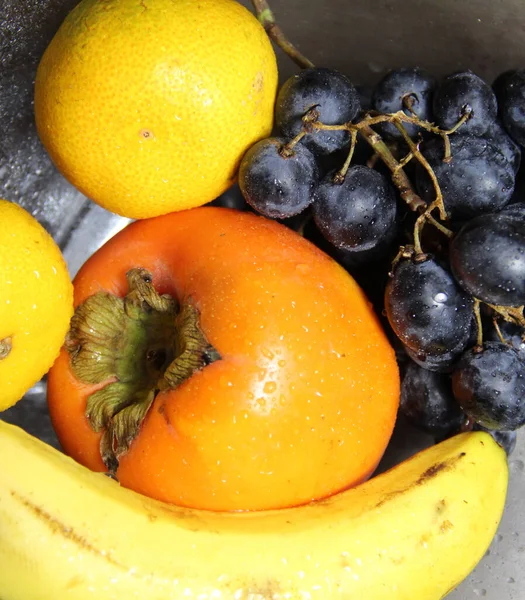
{"type": "Point", "coordinates": [361, 39]}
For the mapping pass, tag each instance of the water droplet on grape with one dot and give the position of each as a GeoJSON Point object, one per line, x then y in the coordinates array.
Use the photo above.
{"type": "Point", "coordinates": [440, 298]}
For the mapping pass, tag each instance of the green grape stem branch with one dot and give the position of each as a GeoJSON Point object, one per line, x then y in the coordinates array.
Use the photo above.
{"type": "Point", "coordinates": [266, 17]}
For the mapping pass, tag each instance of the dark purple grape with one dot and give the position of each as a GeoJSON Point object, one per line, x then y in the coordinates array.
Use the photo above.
{"type": "Point", "coordinates": [427, 310]}
{"type": "Point", "coordinates": [506, 439]}
{"type": "Point", "coordinates": [357, 214]}
{"type": "Point", "coordinates": [497, 135]}
{"type": "Point", "coordinates": [477, 179]}
{"type": "Point", "coordinates": [399, 87]}
{"type": "Point", "coordinates": [428, 403]}
{"type": "Point", "coordinates": [490, 386]}
{"type": "Point", "coordinates": [276, 186]}
{"type": "Point", "coordinates": [510, 92]}
{"type": "Point", "coordinates": [331, 93]}
{"type": "Point", "coordinates": [462, 92]}
{"type": "Point", "coordinates": [487, 258]}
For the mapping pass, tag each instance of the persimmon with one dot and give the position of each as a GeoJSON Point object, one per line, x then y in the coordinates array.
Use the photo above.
{"type": "Point", "coordinates": [219, 360]}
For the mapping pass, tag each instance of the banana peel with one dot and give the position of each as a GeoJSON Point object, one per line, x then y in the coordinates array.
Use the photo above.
{"type": "Point", "coordinates": [416, 531]}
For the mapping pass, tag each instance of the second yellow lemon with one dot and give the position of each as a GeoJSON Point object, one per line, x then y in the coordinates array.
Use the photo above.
{"type": "Point", "coordinates": [36, 302]}
{"type": "Point", "coordinates": [147, 106]}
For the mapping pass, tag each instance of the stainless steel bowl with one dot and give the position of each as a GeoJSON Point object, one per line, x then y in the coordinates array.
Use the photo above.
{"type": "Point", "coordinates": [362, 39]}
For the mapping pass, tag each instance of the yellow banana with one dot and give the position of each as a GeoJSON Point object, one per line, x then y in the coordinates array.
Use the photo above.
{"type": "Point", "coordinates": [412, 533]}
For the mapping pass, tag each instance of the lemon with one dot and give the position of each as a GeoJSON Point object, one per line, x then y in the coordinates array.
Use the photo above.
{"type": "Point", "coordinates": [36, 302]}
{"type": "Point", "coordinates": [147, 106]}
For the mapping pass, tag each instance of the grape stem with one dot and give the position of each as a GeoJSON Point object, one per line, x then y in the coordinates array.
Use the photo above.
{"type": "Point", "coordinates": [406, 159]}
{"type": "Point", "coordinates": [498, 330]}
{"type": "Point", "coordinates": [266, 18]}
{"type": "Point", "coordinates": [512, 314]}
{"type": "Point", "coordinates": [399, 177]}
{"type": "Point", "coordinates": [414, 149]}
{"type": "Point", "coordinates": [406, 252]}
{"type": "Point", "coordinates": [427, 217]}
{"type": "Point", "coordinates": [287, 150]}
{"type": "Point", "coordinates": [477, 314]}
{"type": "Point", "coordinates": [310, 117]}
{"type": "Point", "coordinates": [339, 177]}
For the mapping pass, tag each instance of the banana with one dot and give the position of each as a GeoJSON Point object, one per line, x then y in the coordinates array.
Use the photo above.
{"type": "Point", "coordinates": [414, 532]}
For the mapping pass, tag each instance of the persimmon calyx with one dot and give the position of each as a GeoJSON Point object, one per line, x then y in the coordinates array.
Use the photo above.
{"type": "Point", "coordinates": [137, 346]}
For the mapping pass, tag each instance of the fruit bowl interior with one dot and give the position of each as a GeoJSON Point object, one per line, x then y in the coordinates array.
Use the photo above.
{"type": "Point", "coordinates": [363, 40]}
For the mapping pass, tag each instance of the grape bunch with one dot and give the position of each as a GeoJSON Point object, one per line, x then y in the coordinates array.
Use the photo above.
{"type": "Point", "coordinates": [416, 187]}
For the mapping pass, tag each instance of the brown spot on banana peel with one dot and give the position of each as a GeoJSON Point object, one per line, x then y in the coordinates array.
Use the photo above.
{"type": "Point", "coordinates": [59, 528]}
{"type": "Point", "coordinates": [188, 518]}
{"type": "Point", "coordinates": [438, 467]}
{"type": "Point", "coordinates": [424, 477]}
{"type": "Point", "coordinates": [446, 526]}
{"type": "Point", "coordinates": [266, 590]}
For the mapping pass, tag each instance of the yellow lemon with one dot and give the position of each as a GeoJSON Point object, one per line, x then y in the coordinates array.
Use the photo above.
{"type": "Point", "coordinates": [147, 106]}
{"type": "Point", "coordinates": [36, 302]}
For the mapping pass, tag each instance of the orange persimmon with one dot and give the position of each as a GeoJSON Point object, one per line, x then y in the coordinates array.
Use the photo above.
{"type": "Point", "coordinates": [297, 389]}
